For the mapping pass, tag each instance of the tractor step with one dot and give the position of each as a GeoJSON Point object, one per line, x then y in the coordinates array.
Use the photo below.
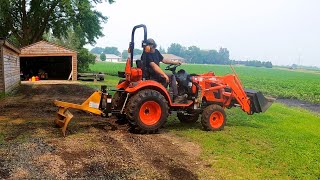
{"type": "Point", "coordinates": [183, 104]}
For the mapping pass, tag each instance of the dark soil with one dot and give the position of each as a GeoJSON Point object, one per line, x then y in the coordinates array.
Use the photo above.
{"type": "Point", "coordinates": [95, 147]}
{"type": "Point", "coordinates": [303, 104]}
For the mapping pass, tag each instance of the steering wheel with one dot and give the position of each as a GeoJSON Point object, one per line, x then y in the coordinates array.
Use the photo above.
{"type": "Point", "coordinates": [172, 67]}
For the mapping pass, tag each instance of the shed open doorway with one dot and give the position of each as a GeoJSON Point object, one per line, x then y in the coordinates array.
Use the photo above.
{"type": "Point", "coordinates": [47, 67]}
{"type": "Point", "coordinates": [48, 61]}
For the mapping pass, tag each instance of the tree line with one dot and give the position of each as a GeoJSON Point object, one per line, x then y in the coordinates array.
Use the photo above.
{"type": "Point", "coordinates": [192, 54]}
{"type": "Point", "coordinates": [254, 63]}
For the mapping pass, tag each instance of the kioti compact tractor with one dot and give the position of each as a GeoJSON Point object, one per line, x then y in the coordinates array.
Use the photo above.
{"type": "Point", "coordinates": [146, 104]}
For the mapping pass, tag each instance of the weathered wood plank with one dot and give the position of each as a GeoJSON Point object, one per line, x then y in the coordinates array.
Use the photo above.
{"type": "Point", "coordinates": [10, 69]}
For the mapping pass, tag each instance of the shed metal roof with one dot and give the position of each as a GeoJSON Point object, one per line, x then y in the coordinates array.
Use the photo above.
{"type": "Point", "coordinates": [44, 48]}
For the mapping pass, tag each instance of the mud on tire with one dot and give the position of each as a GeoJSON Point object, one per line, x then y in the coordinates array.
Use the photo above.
{"type": "Point", "coordinates": [213, 118]}
{"type": "Point", "coordinates": [147, 111]}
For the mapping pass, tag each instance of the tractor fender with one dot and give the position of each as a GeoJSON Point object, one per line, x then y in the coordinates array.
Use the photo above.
{"type": "Point", "coordinates": [149, 84]}
{"type": "Point", "coordinates": [123, 84]}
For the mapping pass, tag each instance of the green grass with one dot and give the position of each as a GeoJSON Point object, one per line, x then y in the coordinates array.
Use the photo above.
{"type": "Point", "coordinates": [275, 82]}
{"type": "Point", "coordinates": [110, 82]}
{"type": "Point", "coordinates": [281, 143]}
{"type": "Point", "coordinates": [108, 67]}
{"type": "Point", "coordinates": [2, 95]}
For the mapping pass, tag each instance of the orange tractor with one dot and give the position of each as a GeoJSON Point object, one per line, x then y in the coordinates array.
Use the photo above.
{"type": "Point", "coordinates": [146, 104]}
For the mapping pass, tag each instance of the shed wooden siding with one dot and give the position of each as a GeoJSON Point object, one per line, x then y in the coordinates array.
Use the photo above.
{"type": "Point", "coordinates": [1, 70]}
{"type": "Point", "coordinates": [44, 48]}
{"type": "Point", "coordinates": [9, 67]}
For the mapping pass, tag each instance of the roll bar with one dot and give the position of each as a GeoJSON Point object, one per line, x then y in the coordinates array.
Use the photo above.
{"type": "Point", "coordinates": [144, 42]}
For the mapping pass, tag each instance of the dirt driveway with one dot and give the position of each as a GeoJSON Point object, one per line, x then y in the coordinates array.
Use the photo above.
{"type": "Point", "coordinates": [95, 148]}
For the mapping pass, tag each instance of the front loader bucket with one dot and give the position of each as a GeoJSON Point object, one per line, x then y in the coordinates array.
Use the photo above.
{"type": "Point", "coordinates": [259, 103]}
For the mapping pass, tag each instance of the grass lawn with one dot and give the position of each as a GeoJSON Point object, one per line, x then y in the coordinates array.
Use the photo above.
{"type": "Point", "coordinates": [110, 82]}
{"type": "Point", "coordinates": [282, 143]}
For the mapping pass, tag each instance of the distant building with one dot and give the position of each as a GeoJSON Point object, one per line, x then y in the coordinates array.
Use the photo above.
{"type": "Point", "coordinates": [112, 58]}
{"type": "Point", "coordinates": [173, 57]}
{"type": "Point", "coordinates": [109, 58]}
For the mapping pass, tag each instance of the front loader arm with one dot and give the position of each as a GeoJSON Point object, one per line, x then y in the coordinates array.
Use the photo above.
{"type": "Point", "coordinates": [238, 92]}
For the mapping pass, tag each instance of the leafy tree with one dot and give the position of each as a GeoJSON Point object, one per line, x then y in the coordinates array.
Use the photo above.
{"type": "Point", "coordinates": [193, 55]}
{"type": "Point", "coordinates": [176, 49]}
{"type": "Point", "coordinates": [97, 50]}
{"type": "Point", "coordinates": [223, 56]}
{"type": "Point", "coordinates": [124, 54]}
{"type": "Point", "coordinates": [84, 59]}
{"type": "Point", "coordinates": [162, 50]}
{"type": "Point", "coordinates": [268, 64]}
{"type": "Point", "coordinates": [73, 42]}
{"type": "Point", "coordinates": [103, 57]}
{"type": "Point", "coordinates": [135, 52]}
{"type": "Point", "coordinates": [213, 57]}
{"type": "Point", "coordinates": [111, 50]}
{"type": "Point", "coordinates": [28, 20]}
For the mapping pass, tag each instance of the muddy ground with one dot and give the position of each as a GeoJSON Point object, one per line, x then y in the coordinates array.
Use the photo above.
{"type": "Point", "coordinates": [31, 147]}
{"type": "Point", "coordinates": [315, 107]}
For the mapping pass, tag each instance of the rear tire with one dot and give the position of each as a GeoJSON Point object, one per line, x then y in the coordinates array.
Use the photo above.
{"type": "Point", "coordinates": [147, 111]}
{"type": "Point", "coordinates": [188, 119]}
{"type": "Point", "coordinates": [213, 118]}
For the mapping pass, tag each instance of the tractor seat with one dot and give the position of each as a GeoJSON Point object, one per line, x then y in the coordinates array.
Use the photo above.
{"type": "Point", "coordinates": [139, 64]}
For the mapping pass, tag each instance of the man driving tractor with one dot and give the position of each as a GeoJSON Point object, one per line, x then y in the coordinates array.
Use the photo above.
{"type": "Point", "coordinates": [154, 72]}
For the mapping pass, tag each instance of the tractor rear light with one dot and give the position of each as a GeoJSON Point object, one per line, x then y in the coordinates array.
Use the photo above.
{"type": "Point", "coordinates": [108, 105]}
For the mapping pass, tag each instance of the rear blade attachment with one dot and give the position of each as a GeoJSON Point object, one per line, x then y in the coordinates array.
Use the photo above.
{"type": "Point", "coordinates": [91, 105]}
{"type": "Point", "coordinates": [259, 103]}
{"type": "Point", "coordinates": [64, 116]}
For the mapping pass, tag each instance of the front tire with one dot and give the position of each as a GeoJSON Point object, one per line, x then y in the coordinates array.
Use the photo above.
{"type": "Point", "coordinates": [147, 111]}
{"type": "Point", "coordinates": [213, 118]}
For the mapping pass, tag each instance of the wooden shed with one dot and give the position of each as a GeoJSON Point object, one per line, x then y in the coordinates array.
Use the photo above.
{"type": "Point", "coordinates": [9, 66]}
{"type": "Point", "coordinates": [58, 62]}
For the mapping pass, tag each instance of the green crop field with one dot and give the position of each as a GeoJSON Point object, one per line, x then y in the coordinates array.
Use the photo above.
{"type": "Point", "coordinates": [274, 82]}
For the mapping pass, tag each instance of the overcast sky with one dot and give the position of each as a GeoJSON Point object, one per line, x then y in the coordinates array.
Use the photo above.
{"type": "Point", "coordinates": [280, 31]}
